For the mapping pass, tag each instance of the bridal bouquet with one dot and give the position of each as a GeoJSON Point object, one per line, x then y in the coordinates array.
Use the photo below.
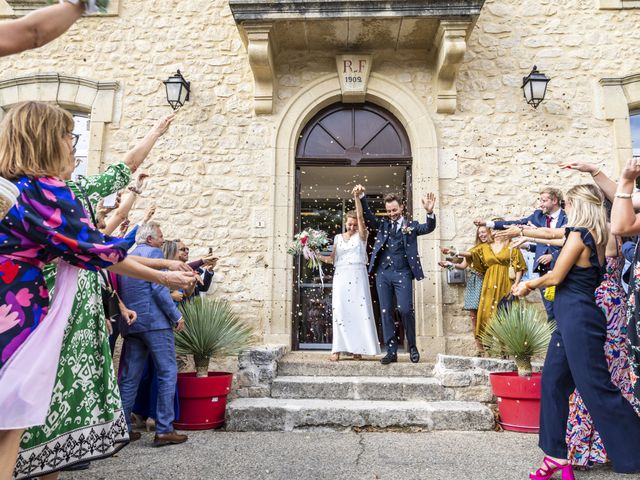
{"type": "Point", "coordinates": [308, 243]}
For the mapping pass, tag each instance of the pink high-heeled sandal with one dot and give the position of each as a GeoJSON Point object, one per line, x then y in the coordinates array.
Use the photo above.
{"type": "Point", "coordinates": [550, 467]}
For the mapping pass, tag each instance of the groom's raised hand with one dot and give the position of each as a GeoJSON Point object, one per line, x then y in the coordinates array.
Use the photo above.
{"type": "Point", "coordinates": [429, 201]}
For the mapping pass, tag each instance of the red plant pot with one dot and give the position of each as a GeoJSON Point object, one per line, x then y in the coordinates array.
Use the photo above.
{"type": "Point", "coordinates": [202, 400]}
{"type": "Point", "coordinates": [518, 401]}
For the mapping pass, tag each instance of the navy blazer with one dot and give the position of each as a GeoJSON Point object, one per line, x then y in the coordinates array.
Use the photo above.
{"type": "Point", "coordinates": [538, 219]}
{"type": "Point", "coordinates": [410, 240]}
{"type": "Point", "coordinates": [151, 301]}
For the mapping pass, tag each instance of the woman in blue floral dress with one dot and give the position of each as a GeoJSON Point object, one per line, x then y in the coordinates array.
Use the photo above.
{"type": "Point", "coordinates": [47, 223]}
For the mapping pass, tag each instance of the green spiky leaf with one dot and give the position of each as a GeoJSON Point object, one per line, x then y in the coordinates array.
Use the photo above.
{"type": "Point", "coordinates": [520, 331]}
{"type": "Point", "coordinates": [212, 329]}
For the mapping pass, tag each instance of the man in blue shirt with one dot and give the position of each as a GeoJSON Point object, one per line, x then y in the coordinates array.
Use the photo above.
{"type": "Point", "coordinates": [152, 333]}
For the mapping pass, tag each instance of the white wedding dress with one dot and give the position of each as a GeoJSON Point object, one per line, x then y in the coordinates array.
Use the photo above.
{"type": "Point", "coordinates": [354, 328]}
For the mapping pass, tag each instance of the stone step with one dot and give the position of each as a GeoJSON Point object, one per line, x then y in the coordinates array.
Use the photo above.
{"type": "Point", "coordinates": [360, 388]}
{"type": "Point", "coordinates": [369, 367]}
{"type": "Point", "coordinates": [285, 414]}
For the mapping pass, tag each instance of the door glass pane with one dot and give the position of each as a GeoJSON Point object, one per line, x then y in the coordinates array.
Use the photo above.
{"type": "Point", "coordinates": [340, 125]}
{"type": "Point", "coordinates": [314, 308]}
{"type": "Point", "coordinates": [321, 143]}
{"type": "Point", "coordinates": [367, 126]}
{"type": "Point", "coordinates": [387, 140]}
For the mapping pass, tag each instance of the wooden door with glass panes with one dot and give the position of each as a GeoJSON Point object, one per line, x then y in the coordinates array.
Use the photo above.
{"type": "Point", "coordinates": [341, 146]}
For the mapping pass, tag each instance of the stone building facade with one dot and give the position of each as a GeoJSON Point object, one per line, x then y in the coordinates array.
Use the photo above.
{"type": "Point", "coordinates": [448, 73]}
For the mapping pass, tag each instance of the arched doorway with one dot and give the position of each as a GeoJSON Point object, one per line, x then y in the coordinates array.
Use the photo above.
{"type": "Point", "coordinates": [342, 145]}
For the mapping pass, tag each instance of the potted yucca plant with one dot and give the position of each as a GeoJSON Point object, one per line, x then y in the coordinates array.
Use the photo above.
{"type": "Point", "coordinates": [211, 329]}
{"type": "Point", "coordinates": [520, 331]}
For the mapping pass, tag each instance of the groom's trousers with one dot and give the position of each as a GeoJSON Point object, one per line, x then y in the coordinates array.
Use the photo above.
{"type": "Point", "coordinates": [400, 283]}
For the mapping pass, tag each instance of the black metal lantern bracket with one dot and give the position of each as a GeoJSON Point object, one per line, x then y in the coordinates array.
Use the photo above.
{"type": "Point", "coordinates": [534, 87]}
{"type": "Point", "coordinates": [178, 79]}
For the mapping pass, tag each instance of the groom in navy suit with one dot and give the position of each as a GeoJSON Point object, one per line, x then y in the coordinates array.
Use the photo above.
{"type": "Point", "coordinates": [395, 263]}
{"type": "Point", "coordinates": [550, 215]}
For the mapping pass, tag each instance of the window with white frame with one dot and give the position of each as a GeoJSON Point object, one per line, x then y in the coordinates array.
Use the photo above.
{"type": "Point", "coordinates": [634, 121]}
{"type": "Point", "coordinates": [81, 127]}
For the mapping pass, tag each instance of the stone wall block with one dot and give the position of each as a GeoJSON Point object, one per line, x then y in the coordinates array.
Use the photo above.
{"type": "Point", "coordinates": [455, 379]}
{"type": "Point", "coordinates": [258, 367]}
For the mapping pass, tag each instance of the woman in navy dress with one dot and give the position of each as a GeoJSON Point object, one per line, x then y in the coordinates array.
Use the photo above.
{"type": "Point", "coordinates": [575, 357]}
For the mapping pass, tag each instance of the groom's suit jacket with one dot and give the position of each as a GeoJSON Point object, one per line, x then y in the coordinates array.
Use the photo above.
{"type": "Point", "coordinates": [409, 240]}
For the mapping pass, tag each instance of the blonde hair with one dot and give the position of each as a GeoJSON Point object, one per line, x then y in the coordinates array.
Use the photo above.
{"type": "Point", "coordinates": [489, 235]}
{"type": "Point", "coordinates": [32, 137]}
{"type": "Point", "coordinates": [588, 211]}
{"type": "Point", "coordinates": [351, 214]}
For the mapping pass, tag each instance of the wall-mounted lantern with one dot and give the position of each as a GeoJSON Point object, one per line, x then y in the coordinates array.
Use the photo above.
{"type": "Point", "coordinates": [177, 90]}
{"type": "Point", "coordinates": [534, 87]}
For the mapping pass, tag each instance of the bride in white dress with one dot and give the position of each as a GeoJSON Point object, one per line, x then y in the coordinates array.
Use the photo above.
{"type": "Point", "coordinates": [354, 328]}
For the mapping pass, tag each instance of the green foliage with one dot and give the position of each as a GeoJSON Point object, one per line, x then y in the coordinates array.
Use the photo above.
{"type": "Point", "coordinates": [212, 329]}
{"type": "Point", "coordinates": [520, 331]}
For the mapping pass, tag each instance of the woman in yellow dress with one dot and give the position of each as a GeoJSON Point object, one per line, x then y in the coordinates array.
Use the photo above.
{"type": "Point", "coordinates": [493, 259]}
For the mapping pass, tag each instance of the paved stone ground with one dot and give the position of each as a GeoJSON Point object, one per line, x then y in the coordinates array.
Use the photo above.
{"type": "Point", "coordinates": [311, 455]}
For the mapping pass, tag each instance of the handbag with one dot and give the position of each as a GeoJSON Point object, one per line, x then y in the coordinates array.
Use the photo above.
{"type": "Point", "coordinates": [550, 293]}
{"type": "Point", "coordinates": [110, 298]}
{"type": "Point", "coordinates": [506, 302]}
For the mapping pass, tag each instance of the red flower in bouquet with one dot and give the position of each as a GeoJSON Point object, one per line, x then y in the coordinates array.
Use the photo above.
{"type": "Point", "coordinates": [308, 243]}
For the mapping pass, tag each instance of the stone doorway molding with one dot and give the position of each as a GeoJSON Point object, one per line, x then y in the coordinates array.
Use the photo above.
{"type": "Point", "coordinates": [409, 110]}
{"type": "Point", "coordinates": [620, 96]}
{"type": "Point", "coordinates": [72, 93]}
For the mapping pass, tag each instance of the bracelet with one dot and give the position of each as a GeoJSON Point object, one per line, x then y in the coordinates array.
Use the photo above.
{"type": "Point", "coordinates": [594, 175]}
{"type": "Point", "coordinates": [623, 195]}
{"type": "Point", "coordinates": [134, 189]}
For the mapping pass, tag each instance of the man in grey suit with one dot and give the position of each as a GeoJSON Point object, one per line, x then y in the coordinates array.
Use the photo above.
{"type": "Point", "coordinates": [152, 333]}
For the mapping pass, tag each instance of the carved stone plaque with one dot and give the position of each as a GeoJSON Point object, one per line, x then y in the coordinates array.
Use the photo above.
{"type": "Point", "coordinates": [353, 72]}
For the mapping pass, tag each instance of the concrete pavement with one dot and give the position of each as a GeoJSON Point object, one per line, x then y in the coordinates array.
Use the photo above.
{"type": "Point", "coordinates": [312, 455]}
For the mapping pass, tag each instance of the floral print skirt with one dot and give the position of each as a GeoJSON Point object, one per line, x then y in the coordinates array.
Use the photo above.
{"type": "Point", "coordinates": [584, 445]}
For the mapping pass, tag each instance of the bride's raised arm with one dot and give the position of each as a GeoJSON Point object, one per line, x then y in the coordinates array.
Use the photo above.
{"type": "Point", "coordinates": [362, 226]}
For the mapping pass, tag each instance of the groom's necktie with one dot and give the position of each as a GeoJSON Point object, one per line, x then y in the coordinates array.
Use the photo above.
{"type": "Point", "coordinates": [548, 221]}
{"type": "Point", "coordinates": [396, 226]}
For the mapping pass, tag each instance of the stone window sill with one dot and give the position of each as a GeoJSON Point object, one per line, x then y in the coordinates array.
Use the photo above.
{"type": "Point", "coordinates": [618, 4]}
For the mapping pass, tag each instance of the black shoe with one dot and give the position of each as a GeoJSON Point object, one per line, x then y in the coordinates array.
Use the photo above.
{"type": "Point", "coordinates": [76, 466]}
{"type": "Point", "coordinates": [414, 355]}
{"type": "Point", "coordinates": [390, 357]}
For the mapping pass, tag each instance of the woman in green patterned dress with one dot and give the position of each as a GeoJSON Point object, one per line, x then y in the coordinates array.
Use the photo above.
{"type": "Point", "coordinates": [85, 420]}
